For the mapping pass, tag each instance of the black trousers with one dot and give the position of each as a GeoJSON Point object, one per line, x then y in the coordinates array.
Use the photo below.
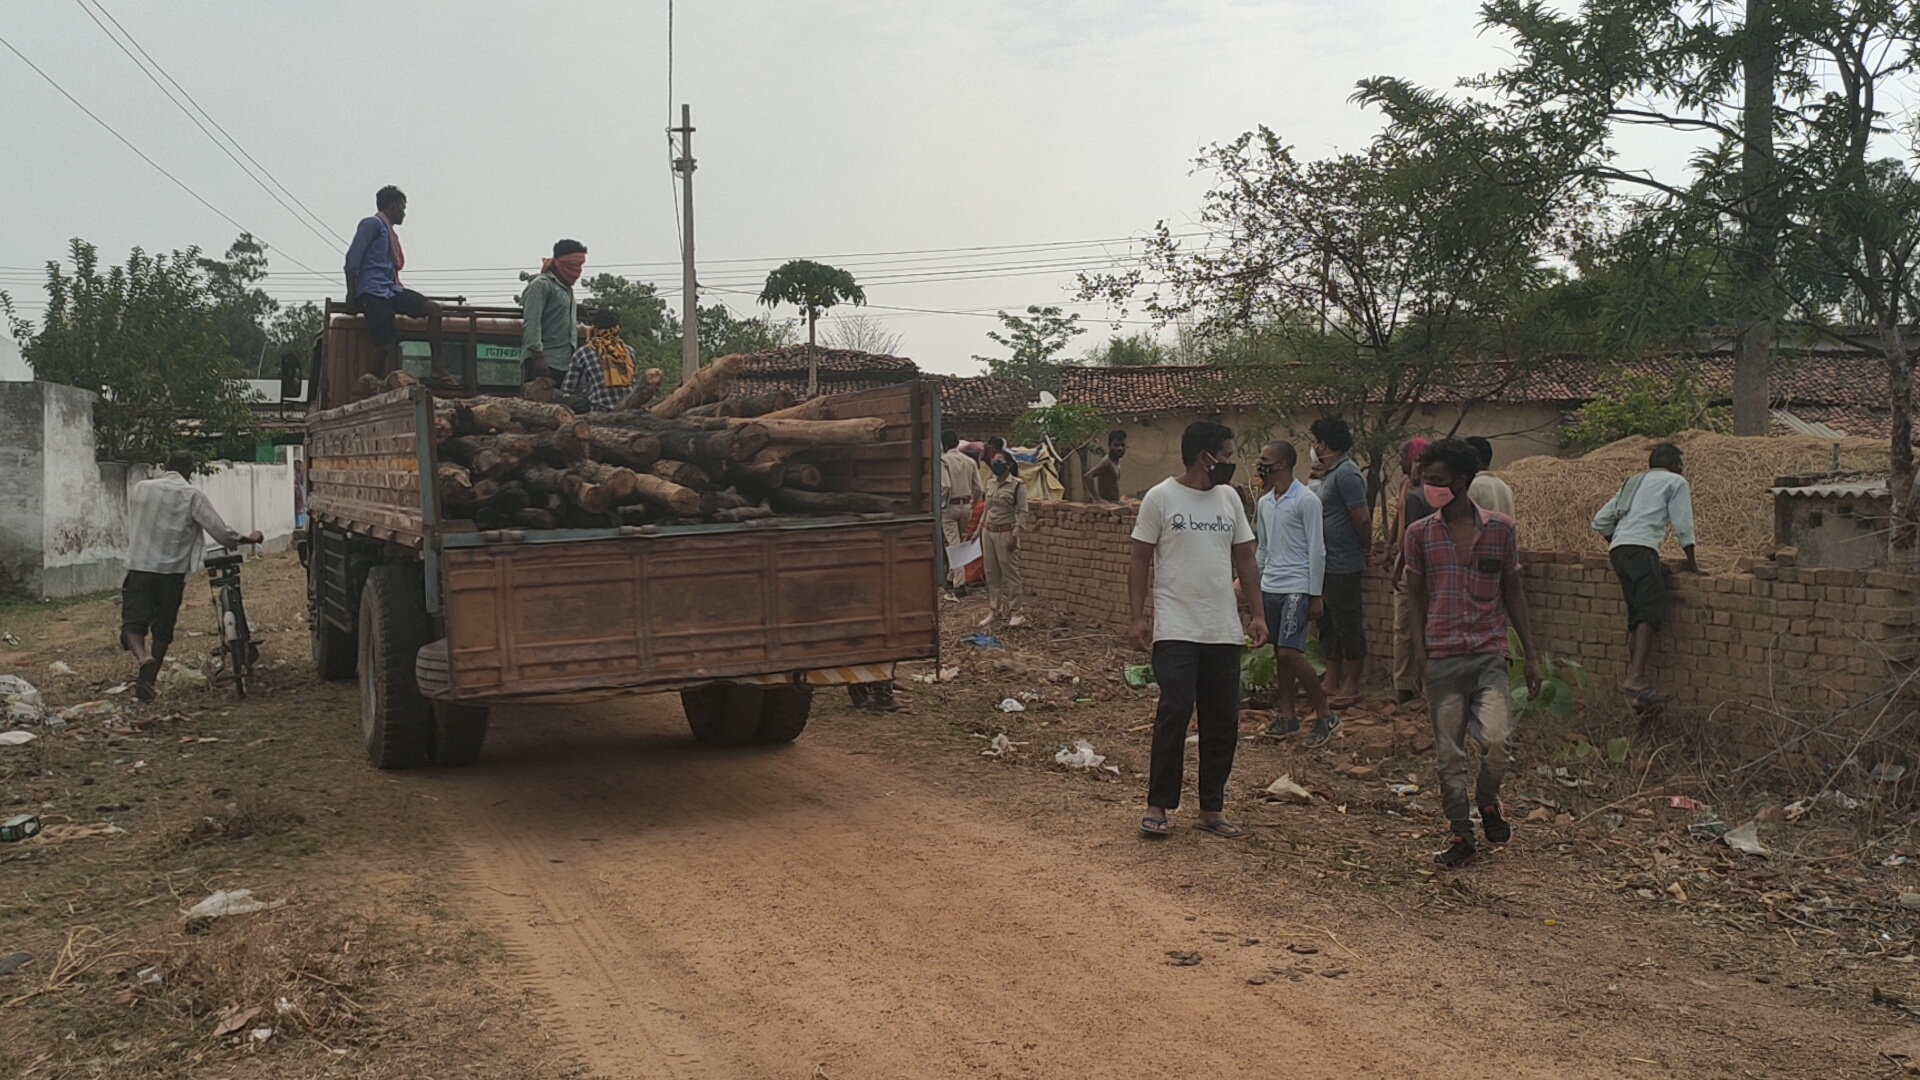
{"type": "Point", "coordinates": [1192, 676]}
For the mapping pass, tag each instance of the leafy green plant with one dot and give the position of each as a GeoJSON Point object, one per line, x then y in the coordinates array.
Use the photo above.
{"type": "Point", "coordinates": [1557, 681]}
{"type": "Point", "coordinates": [1635, 404]}
{"type": "Point", "coordinates": [1259, 670]}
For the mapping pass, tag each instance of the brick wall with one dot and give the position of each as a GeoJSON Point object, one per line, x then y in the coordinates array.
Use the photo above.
{"type": "Point", "coordinates": [1819, 638]}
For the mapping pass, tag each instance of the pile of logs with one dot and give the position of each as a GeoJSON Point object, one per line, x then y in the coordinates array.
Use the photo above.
{"type": "Point", "coordinates": [520, 463]}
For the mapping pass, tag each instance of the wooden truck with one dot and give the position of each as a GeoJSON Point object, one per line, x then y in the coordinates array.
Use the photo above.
{"type": "Point", "coordinates": [443, 619]}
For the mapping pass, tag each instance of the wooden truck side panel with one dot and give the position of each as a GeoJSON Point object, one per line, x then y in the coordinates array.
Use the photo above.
{"type": "Point", "coordinates": [363, 469]}
{"type": "Point", "coordinates": [659, 610]}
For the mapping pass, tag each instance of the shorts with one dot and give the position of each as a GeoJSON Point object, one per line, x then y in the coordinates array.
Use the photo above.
{"type": "Point", "coordinates": [150, 604]}
{"type": "Point", "coordinates": [1287, 619]}
{"type": "Point", "coordinates": [381, 310]}
{"type": "Point", "coordinates": [1343, 629]}
{"type": "Point", "coordinates": [1643, 582]}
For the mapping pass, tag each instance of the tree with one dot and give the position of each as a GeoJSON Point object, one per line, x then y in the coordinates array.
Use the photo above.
{"type": "Point", "coordinates": [1637, 404]}
{"type": "Point", "coordinates": [813, 288]}
{"type": "Point", "coordinates": [1363, 283]}
{"type": "Point", "coordinates": [723, 332]}
{"type": "Point", "coordinates": [294, 328]}
{"type": "Point", "coordinates": [145, 337]}
{"type": "Point", "coordinates": [245, 309]}
{"type": "Point", "coordinates": [1139, 349]}
{"type": "Point", "coordinates": [862, 333]}
{"type": "Point", "coordinates": [1035, 342]}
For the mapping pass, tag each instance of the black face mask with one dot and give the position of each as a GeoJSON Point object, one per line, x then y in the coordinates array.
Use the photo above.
{"type": "Point", "coordinates": [1221, 473]}
{"type": "Point", "coordinates": [1262, 470]}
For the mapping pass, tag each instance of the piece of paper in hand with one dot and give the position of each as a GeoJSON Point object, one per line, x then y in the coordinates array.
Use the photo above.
{"type": "Point", "coordinates": [964, 553]}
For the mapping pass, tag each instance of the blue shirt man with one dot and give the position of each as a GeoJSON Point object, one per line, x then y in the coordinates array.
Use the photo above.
{"type": "Point", "coordinates": [374, 262]}
{"type": "Point", "coordinates": [1292, 557]}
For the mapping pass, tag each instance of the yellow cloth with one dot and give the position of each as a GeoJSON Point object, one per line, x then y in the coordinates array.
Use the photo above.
{"type": "Point", "coordinates": [616, 360]}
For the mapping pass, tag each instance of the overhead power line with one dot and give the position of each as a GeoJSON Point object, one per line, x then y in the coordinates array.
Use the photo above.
{"type": "Point", "coordinates": [181, 184]}
{"type": "Point", "coordinates": [334, 241]}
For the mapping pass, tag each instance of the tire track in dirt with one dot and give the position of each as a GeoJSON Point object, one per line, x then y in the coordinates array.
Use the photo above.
{"type": "Point", "coordinates": [803, 910]}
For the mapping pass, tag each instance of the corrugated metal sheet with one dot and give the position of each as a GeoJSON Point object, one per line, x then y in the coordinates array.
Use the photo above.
{"type": "Point", "coordinates": [1852, 490]}
{"type": "Point", "coordinates": [1799, 426]}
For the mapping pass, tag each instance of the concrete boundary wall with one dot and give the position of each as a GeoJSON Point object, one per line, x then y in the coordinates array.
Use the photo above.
{"type": "Point", "coordinates": [1796, 637]}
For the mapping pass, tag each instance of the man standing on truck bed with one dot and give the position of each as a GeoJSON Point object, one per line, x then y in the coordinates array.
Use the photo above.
{"type": "Point", "coordinates": [165, 516]}
{"type": "Point", "coordinates": [549, 317]}
{"type": "Point", "coordinates": [374, 262]}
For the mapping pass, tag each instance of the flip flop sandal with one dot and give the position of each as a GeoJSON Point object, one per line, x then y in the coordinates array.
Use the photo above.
{"type": "Point", "coordinates": [1224, 829]}
{"type": "Point", "coordinates": [1155, 827]}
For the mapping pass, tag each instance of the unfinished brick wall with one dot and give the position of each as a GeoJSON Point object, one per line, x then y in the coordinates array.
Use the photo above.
{"type": "Point", "coordinates": [1819, 638]}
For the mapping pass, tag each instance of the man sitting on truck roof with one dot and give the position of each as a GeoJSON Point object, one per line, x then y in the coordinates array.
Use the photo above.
{"type": "Point", "coordinates": [602, 369]}
{"type": "Point", "coordinates": [374, 262]}
{"type": "Point", "coordinates": [548, 315]}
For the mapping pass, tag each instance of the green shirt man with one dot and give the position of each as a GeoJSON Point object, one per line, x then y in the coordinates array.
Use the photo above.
{"type": "Point", "coordinates": [549, 316]}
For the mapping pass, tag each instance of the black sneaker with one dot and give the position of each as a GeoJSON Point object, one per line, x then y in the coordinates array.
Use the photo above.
{"type": "Point", "coordinates": [1494, 822]}
{"type": "Point", "coordinates": [1458, 854]}
{"type": "Point", "coordinates": [1283, 727]}
{"type": "Point", "coordinates": [143, 683]}
{"type": "Point", "coordinates": [1323, 730]}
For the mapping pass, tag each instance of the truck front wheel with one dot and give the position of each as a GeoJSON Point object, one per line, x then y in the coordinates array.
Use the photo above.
{"type": "Point", "coordinates": [396, 721]}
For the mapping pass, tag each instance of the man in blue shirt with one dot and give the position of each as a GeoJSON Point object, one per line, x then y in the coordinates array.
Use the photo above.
{"type": "Point", "coordinates": [1293, 561]}
{"type": "Point", "coordinates": [374, 262]}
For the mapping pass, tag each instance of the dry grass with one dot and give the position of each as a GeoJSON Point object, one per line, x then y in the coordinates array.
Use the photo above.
{"type": "Point", "coordinates": [251, 816]}
{"type": "Point", "coordinates": [1555, 498]}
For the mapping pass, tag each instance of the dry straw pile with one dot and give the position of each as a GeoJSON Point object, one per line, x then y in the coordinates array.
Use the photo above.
{"type": "Point", "coordinates": [1555, 498]}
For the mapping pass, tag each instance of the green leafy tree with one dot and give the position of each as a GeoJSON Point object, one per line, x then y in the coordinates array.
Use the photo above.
{"type": "Point", "coordinates": [1036, 342]}
{"type": "Point", "coordinates": [813, 288]}
{"type": "Point", "coordinates": [294, 328]}
{"type": "Point", "coordinates": [1638, 404]}
{"type": "Point", "coordinates": [723, 332]}
{"type": "Point", "coordinates": [146, 338]}
{"type": "Point", "coordinates": [648, 328]}
{"type": "Point", "coordinates": [245, 310]}
{"type": "Point", "coordinates": [1139, 349]}
{"type": "Point", "coordinates": [1072, 428]}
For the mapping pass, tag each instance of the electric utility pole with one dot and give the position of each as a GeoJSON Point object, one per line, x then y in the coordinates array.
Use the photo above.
{"type": "Point", "coordinates": [689, 291]}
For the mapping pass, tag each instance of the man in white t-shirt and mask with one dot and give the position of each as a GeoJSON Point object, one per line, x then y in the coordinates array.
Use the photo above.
{"type": "Point", "coordinates": [1192, 538]}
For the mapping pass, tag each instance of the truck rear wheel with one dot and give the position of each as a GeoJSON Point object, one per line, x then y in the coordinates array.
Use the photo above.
{"type": "Point", "coordinates": [458, 732]}
{"type": "Point", "coordinates": [395, 720]}
{"type": "Point", "coordinates": [783, 713]}
{"type": "Point", "coordinates": [333, 649]}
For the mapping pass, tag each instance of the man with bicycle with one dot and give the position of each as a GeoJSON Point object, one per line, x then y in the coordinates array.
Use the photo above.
{"type": "Point", "coordinates": [165, 517]}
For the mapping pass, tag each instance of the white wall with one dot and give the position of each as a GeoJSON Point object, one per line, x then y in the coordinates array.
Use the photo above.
{"type": "Point", "coordinates": [13, 366]}
{"type": "Point", "coordinates": [83, 507]}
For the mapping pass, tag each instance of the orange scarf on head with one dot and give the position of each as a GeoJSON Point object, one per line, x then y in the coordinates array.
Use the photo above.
{"type": "Point", "coordinates": [567, 267]}
{"type": "Point", "coordinates": [616, 360]}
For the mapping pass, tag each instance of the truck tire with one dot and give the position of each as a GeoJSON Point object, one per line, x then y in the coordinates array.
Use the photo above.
{"type": "Point", "coordinates": [458, 732]}
{"type": "Point", "coordinates": [395, 720]}
{"type": "Point", "coordinates": [722, 714]}
{"type": "Point", "coordinates": [333, 650]}
{"type": "Point", "coordinates": [783, 713]}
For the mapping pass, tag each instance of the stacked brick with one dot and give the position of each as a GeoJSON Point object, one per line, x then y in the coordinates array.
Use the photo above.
{"type": "Point", "coordinates": [1798, 637]}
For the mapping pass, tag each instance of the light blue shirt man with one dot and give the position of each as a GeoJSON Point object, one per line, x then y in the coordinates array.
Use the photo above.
{"type": "Point", "coordinates": [1292, 555]}
{"type": "Point", "coordinates": [1639, 515]}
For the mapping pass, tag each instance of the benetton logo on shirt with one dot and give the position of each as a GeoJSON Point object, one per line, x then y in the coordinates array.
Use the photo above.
{"type": "Point", "coordinates": [1180, 523]}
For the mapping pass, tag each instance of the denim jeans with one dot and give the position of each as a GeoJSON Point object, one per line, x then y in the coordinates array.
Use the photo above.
{"type": "Point", "coordinates": [1471, 704]}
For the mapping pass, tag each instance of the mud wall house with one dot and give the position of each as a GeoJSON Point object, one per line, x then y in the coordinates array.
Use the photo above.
{"type": "Point", "coordinates": [838, 371]}
{"type": "Point", "coordinates": [63, 513]}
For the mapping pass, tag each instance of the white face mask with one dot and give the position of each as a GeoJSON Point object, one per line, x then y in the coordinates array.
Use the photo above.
{"type": "Point", "coordinates": [1312, 458]}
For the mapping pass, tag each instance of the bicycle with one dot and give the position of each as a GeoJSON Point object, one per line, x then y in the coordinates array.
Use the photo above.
{"type": "Point", "coordinates": [237, 652]}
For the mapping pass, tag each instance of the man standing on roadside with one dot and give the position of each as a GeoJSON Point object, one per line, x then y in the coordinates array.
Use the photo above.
{"type": "Point", "coordinates": [1348, 533]}
{"type": "Point", "coordinates": [549, 317]}
{"type": "Point", "coordinates": [1635, 523]}
{"type": "Point", "coordinates": [959, 490]}
{"type": "Point", "coordinates": [1191, 539]}
{"type": "Point", "coordinates": [1489, 491]}
{"type": "Point", "coordinates": [1293, 563]}
{"type": "Point", "coordinates": [165, 516]}
{"type": "Point", "coordinates": [1103, 480]}
{"type": "Point", "coordinates": [374, 262]}
{"type": "Point", "coordinates": [1462, 566]}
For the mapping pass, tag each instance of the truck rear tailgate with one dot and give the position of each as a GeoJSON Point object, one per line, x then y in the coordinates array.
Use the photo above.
{"type": "Point", "coordinates": [638, 611]}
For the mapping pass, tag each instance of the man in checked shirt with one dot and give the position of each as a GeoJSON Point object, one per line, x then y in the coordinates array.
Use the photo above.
{"type": "Point", "coordinates": [1463, 574]}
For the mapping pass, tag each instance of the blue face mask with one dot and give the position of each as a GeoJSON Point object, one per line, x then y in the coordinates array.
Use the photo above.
{"type": "Point", "coordinates": [999, 468]}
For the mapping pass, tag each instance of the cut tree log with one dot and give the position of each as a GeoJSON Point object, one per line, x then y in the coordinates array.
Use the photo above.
{"type": "Point", "coordinates": [643, 390]}
{"type": "Point", "coordinates": [452, 480]}
{"type": "Point", "coordinates": [637, 450]}
{"type": "Point", "coordinates": [531, 518]}
{"type": "Point", "coordinates": [684, 473]}
{"type": "Point", "coordinates": [531, 415]}
{"type": "Point", "coordinates": [740, 514]}
{"type": "Point", "coordinates": [787, 501]}
{"type": "Point", "coordinates": [453, 417]}
{"type": "Point", "coordinates": [623, 483]}
{"type": "Point", "coordinates": [680, 500]}
{"type": "Point", "coordinates": [737, 444]}
{"type": "Point", "coordinates": [801, 474]}
{"type": "Point", "coordinates": [820, 408]}
{"type": "Point", "coordinates": [710, 383]}
{"type": "Point", "coordinates": [641, 513]}
{"type": "Point", "coordinates": [587, 495]}
{"type": "Point", "coordinates": [757, 405]}
{"type": "Point", "coordinates": [857, 432]}
{"type": "Point", "coordinates": [543, 483]}
{"type": "Point", "coordinates": [562, 446]}
{"type": "Point", "coordinates": [540, 390]}
{"type": "Point", "coordinates": [721, 500]}
{"type": "Point", "coordinates": [489, 456]}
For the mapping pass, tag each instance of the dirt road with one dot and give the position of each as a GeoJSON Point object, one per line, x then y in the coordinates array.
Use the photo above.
{"type": "Point", "coordinates": [810, 911]}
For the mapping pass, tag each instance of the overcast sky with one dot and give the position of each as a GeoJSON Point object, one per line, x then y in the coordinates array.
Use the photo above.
{"type": "Point", "coordinates": [863, 133]}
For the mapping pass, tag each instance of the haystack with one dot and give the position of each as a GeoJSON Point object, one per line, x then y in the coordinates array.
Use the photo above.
{"type": "Point", "coordinates": [1555, 498]}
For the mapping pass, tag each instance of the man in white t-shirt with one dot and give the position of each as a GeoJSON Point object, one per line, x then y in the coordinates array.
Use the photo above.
{"type": "Point", "coordinates": [1193, 538]}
